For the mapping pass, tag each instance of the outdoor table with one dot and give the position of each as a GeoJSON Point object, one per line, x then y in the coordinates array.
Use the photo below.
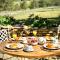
{"type": "Point", "coordinates": [38, 52]}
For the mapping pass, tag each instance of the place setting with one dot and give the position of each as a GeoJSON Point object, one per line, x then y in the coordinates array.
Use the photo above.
{"type": "Point", "coordinates": [50, 46]}
{"type": "Point", "coordinates": [53, 44]}
{"type": "Point", "coordinates": [13, 47]}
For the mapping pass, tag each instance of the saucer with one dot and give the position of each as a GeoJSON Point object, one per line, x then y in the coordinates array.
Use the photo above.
{"type": "Point", "coordinates": [28, 48]}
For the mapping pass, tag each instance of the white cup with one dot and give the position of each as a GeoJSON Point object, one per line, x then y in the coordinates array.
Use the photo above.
{"type": "Point", "coordinates": [28, 48]}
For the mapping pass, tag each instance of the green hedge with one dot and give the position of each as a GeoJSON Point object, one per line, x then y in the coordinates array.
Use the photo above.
{"type": "Point", "coordinates": [33, 22]}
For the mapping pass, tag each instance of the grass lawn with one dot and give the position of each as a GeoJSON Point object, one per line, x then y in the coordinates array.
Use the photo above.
{"type": "Point", "coordinates": [46, 12]}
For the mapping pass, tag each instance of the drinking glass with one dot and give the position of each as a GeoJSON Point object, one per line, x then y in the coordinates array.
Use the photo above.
{"type": "Point", "coordinates": [34, 32]}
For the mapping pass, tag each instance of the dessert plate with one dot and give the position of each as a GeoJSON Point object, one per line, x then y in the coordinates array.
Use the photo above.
{"type": "Point", "coordinates": [53, 48]}
{"type": "Point", "coordinates": [14, 46]}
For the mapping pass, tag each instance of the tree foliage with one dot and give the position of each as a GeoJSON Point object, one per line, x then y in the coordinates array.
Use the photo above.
{"type": "Point", "coordinates": [25, 4]}
{"type": "Point", "coordinates": [33, 22]}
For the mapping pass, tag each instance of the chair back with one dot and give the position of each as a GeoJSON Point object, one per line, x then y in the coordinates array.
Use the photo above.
{"type": "Point", "coordinates": [4, 34]}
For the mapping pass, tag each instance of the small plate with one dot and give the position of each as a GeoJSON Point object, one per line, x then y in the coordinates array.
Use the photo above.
{"type": "Point", "coordinates": [55, 48]}
{"type": "Point", "coordinates": [19, 46]}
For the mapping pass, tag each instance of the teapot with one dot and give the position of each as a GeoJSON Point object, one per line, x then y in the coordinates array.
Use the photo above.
{"type": "Point", "coordinates": [41, 40]}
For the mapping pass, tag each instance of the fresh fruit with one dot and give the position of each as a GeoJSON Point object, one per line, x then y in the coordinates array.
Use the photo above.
{"type": "Point", "coordinates": [49, 45]}
{"type": "Point", "coordinates": [14, 45]}
{"type": "Point", "coordinates": [33, 41]}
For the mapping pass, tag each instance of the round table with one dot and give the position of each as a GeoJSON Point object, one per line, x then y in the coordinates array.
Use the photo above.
{"type": "Point", "coordinates": [38, 52]}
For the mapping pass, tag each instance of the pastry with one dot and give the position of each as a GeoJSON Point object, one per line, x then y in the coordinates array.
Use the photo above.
{"type": "Point", "coordinates": [14, 45]}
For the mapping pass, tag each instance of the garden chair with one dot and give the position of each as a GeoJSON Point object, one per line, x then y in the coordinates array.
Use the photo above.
{"type": "Point", "coordinates": [4, 36]}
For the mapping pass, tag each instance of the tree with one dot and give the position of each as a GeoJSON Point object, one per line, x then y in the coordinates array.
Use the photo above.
{"type": "Point", "coordinates": [24, 5]}
{"type": "Point", "coordinates": [6, 4]}
{"type": "Point", "coordinates": [41, 3]}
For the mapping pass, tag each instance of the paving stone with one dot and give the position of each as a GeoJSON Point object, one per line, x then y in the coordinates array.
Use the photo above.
{"type": "Point", "coordinates": [1, 55]}
{"type": "Point", "coordinates": [13, 58]}
{"type": "Point", "coordinates": [6, 56]}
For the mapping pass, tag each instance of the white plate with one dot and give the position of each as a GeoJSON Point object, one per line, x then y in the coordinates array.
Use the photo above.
{"type": "Point", "coordinates": [18, 46]}
{"type": "Point", "coordinates": [55, 48]}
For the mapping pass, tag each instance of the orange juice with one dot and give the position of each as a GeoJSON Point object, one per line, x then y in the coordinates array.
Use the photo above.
{"type": "Point", "coordinates": [14, 36]}
{"type": "Point", "coordinates": [34, 32]}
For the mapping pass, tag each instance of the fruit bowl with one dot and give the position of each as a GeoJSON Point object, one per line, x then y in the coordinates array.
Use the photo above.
{"type": "Point", "coordinates": [34, 42]}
